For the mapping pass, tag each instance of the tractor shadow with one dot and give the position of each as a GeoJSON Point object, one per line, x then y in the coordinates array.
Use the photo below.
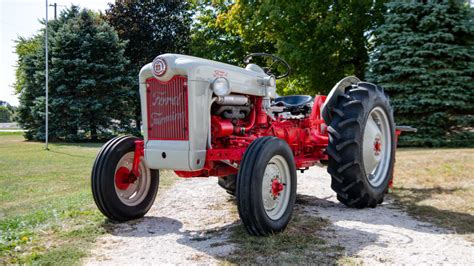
{"type": "Point", "coordinates": [459, 222]}
{"type": "Point", "coordinates": [388, 224]}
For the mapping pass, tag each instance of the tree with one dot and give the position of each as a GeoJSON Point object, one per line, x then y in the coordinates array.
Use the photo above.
{"type": "Point", "coordinates": [4, 114]}
{"type": "Point", "coordinates": [88, 79]}
{"type": "Point", "coordinates": [88, 96]}
{"type": "Point", "coordinates": [211, 41]}
{"type": "Point", "coordinates": [151, 28]}
{"type": "Point", "coordinates": [29, 82]}
{"type": "Point", "coordinates": [423, 58]}
{"type": "Point", "coordinates": [215, 34]}
{"type": "Point", "coordinates": [322, 40]}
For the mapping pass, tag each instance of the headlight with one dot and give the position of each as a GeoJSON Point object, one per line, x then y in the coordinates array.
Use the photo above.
{"type": "Point", "coordinates": [221, 86]}
{"type": "Point", "coordinates": [269, 81]}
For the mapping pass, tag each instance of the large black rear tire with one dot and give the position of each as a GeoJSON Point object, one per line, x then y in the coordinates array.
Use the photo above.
{"type": "Point", "coordinates": [121, 204]}
{"type": "Point", "coordinates": [354, 114]}
{"type": "Point", "coordinates": [266, 186]}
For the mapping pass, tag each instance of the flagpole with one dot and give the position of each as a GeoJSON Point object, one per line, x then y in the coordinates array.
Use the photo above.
{"type": "Point", "coordinates": [46, 76]}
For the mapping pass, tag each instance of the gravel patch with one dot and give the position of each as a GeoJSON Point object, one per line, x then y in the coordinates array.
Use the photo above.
{"type": "Point", "coordinates": [189, 224]}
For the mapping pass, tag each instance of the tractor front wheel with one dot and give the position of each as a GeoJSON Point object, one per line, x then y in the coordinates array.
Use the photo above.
{"type": "Point", "coordinates": [361, 145]}
{"type": "Point", "coordinates": [118, 194]}
{"type": "Point", "coordinates": [266, 186]}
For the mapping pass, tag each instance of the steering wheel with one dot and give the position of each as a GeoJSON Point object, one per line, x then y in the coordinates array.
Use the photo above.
{"type": "Point", "coordinates": [275, 62]}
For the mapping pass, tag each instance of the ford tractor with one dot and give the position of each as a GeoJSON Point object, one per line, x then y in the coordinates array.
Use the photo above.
{"type": "Point", "coordinates": [203, 118]}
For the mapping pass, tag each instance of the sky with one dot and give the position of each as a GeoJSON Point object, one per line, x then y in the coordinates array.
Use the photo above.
{"type": "Point", "coordinates": [21, 18]}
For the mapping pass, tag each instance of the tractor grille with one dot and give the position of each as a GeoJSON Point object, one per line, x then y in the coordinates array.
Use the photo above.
{"type": "Point", "coordinates": [167, 106]}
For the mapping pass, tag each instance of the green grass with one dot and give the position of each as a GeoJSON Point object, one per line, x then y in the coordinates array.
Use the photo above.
{"type": "Point", "coordinates": [47, 214]}
{"type": "Point", "coordinates": [300, 243]}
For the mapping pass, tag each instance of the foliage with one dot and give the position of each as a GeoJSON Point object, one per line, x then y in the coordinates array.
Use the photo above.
{"type": "Point", "coordinates": [87, 80]}
{"type": "Point", "coordinates": [6, 112]}
{"type": "Point", "coordinates": [151, 28]}
{"type": "Point", "coordinates": [424, 58]}
{"type": "Point", "coordinates": [29, 84]}
{"type": "Point", "coordinates": [210, 40]}
{"type": "Point", "coordinates": [215, 36]}
{"type": "Point", "coordinates": [322, 40]}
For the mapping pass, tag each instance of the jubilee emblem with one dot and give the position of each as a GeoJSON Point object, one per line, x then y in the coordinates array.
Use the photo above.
{"type": "Point", "coordinates": [159, 67]}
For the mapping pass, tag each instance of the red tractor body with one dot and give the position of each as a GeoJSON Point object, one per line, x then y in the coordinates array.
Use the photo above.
{"type": "Point", "coordinates": [306, 138]}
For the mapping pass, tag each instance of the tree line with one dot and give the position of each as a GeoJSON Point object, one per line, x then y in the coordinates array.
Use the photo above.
{"type": "Point", "coordinates": [6, 112]}
{"type": "Point", "coordinates": [421, 52]}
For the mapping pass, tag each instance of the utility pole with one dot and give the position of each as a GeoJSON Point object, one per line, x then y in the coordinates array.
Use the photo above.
{"type": "Point", "coordinates": [55, 10]}
{"type": "Point", "coordinates": [46, 75]}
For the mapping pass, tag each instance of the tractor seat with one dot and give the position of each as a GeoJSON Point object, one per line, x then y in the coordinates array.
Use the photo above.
{"type": "Point", "coordinates": [293, 100]}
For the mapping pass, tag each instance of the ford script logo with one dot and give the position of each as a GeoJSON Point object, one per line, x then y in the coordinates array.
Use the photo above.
{"type": "Point", "coordinates": [159, 67]}
{"type": "Point", "coordinates": [160, 99]}
{"type": "Point", "coordinates": [158, 119]}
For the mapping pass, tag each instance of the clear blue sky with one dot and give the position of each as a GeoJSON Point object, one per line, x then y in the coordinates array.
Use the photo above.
{"type": "Point", "coordinates": [21, 18]}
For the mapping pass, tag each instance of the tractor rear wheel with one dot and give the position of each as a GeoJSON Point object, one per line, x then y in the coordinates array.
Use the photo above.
{"type": "Point", "coordinates": [266, 186]}
{"type": "Point", "coordinates": [118, 196]}
{"type": "Point", "coordinates": [361, 145]}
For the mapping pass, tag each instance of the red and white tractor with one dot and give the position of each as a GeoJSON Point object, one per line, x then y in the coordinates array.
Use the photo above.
{"type": "Point", "coordinates": [204, 118]}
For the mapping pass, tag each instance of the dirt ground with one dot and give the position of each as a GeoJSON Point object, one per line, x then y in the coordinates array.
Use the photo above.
{"type": "Point", "coordinates": [192, 222]}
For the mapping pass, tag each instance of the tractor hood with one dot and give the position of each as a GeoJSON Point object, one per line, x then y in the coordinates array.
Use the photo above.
{"type": "Point", "coordinates": [242, 80]}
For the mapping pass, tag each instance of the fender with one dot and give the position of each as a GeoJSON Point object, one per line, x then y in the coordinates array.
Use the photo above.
{"type": "Point", "coordinates": [331, 99]}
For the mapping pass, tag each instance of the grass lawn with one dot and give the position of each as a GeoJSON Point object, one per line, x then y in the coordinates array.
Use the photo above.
{"type": "Point", "coordinates": [300, 243]}
{"type": "Point", "coordinates": [437, 185]}
{"type": "Point", "coordinates": [47, 214]}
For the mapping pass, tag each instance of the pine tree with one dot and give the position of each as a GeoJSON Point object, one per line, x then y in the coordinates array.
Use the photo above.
{"type": "Point", "coordinates": [423, 57]}
{"type": "Point", "coordinates": [29, 83]}
{"type": "Point", "coordinates": [89, 97]}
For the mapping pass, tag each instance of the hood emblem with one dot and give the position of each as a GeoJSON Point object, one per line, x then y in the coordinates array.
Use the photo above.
{"type": "Point", "coordinates": [159, 67]}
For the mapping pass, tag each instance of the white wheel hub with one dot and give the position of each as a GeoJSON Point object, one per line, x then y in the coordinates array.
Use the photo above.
{"type": "Point", "coordinates": [132, 193]}
{"type": "Point", "coordinates": [276, 187]}
{"type": "Point", "coordinates": [376, 146]}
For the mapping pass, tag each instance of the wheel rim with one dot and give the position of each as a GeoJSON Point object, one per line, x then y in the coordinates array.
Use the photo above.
{"type": "Point", "coordinates": [377, 146]}
{"type": "Point", "coordinates": [131, 193]}
{"type": "Point", "coordinates": [276, 187]}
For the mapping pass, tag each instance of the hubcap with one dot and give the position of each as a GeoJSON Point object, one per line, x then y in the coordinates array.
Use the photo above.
{"type": "Point", "coordinates": [276, 187]}
{"type": "Point", "coordinates": [377, 147]}
{"type": "Point", "coordinates": [131, 190]}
